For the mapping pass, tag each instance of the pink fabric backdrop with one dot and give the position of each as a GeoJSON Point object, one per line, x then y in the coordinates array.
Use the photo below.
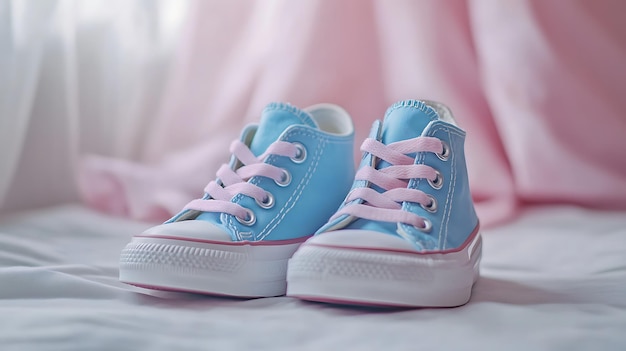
{"type": "Point", "coordinates": [538, 85]}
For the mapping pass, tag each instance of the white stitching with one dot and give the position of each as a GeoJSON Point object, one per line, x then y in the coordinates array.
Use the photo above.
{"type": "Point", "coordinates": [450, 194]}
{"type": "Point", "coordinates": [304, 117]}
{"type": "Point", "coordinates": [452, 187]}
{"type": "Point", "coordinates": [255, 180]}
{"type": "Point", "coordinates": [299, 190]}
{"type": "Point", "coordinates": [415, 104]}
{"type": "Point", "coordinates": [323, 140]}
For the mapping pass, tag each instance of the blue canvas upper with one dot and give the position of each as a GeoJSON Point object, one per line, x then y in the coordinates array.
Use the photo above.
{"type": "Point", "coordinates": [318, 184]}
{"type": "Point", "coordinates": [455, 218]}
{"type": "Point", "coordinates": [275, 119]}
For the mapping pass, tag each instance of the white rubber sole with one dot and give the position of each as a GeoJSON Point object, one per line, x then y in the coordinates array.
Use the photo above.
{"type": "Point", "coordinates": [384, 278]}
{"type": "Point", "coordinates": [245, 270]}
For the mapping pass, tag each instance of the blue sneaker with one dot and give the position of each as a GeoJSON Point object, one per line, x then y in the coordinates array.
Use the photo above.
{"type": "Point", "coordinates": [286, 177]}
{"type": "Point", "coordinates": [407, 233]}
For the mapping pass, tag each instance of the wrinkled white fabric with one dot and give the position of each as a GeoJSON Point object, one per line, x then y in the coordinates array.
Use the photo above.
{"type": "Point", "coordinates": [553, 280]}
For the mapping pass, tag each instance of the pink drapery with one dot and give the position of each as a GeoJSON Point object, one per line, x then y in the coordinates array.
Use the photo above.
{"type": "Point", "coordinates": [538, 85]}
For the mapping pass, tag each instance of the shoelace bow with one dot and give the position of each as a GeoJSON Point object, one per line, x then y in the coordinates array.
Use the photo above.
{"type": "Point", "coordinates": [230, 183]}
{"type": "Point", "coordinates": [387, 206]}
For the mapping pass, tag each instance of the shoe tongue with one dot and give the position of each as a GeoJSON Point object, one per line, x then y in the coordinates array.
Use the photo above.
{"type": "Point", "coordinates": [277, 117]}
{"type": "Point", "coordinates": [406, 120]}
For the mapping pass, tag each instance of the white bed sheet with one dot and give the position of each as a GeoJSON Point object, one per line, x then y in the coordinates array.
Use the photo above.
{"type": "Point", "coordinates": [553, 280]}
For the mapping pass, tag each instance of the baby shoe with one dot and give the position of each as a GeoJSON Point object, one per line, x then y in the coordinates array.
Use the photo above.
{"type": "Point", "coordinates": [407, 233]}
{"type": "Point", "coordinates": [286, 177]}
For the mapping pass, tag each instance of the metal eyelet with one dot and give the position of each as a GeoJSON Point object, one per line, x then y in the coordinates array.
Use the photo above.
{"type": "Point", "coordinates": [285, 179]}
{"type": "Point", "coordinates": [300, 153]}
{"type": "Point", "coordinates": [445, 153]}
{"type": "Point", "coordinates": [428, 226]}
{"type": "Point", "coordinates": [432, 206]}
{"type": "Point", "coordinates": [249, 220]}
{"type": "Point", "coordinates": [267, 202]}
{"type": "Point", "coordinates": [437, 183]}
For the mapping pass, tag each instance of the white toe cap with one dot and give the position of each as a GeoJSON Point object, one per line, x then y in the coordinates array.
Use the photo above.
{"type": "Point", "coordinates": [362, 239]}
{"type": "Point", "coordinates": [192, 229]}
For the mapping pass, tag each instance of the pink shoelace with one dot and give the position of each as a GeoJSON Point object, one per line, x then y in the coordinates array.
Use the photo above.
{"type": "Point", "coordinates": [230, 183]}
{"type": "Point", "coordinates": [387, 206]}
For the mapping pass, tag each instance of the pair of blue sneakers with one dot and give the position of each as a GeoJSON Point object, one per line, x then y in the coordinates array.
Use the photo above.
{"type": "Point", "coordinates": [289, 215]}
